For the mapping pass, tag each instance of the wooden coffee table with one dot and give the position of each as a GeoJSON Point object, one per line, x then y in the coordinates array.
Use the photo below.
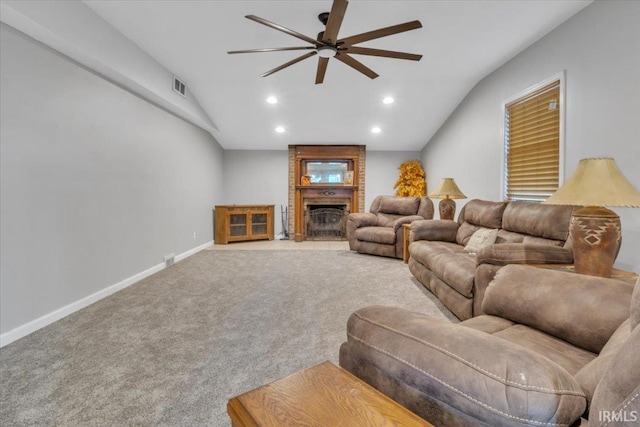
{"type": "Point", "coordinates": [324, 395]}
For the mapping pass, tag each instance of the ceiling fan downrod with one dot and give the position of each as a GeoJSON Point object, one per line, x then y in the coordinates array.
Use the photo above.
{"type": "Point", "coordinates": [324, 18]}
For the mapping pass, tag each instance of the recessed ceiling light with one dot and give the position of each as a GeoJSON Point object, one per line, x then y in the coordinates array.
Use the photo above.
{"type": "Point", "coordinates": [280, 129]}
{"type": "Point", "coordinates": [388, 100]}
{"type": "Point", "coordinates": [272, 100]}
{"type": "Point", "coordinates": [376, 129]}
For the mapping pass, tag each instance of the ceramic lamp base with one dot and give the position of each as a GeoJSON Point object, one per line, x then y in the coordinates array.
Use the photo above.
{"type": "Point", "coordinates": [596, 234]}
{"type": "Point", "coordinates": [447, 208]}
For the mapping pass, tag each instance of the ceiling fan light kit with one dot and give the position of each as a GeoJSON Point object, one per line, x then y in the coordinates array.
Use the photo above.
{"type": "Point", "coordinates": [327, 45]}
{"type": "Point", "coordinates": [327, 51]}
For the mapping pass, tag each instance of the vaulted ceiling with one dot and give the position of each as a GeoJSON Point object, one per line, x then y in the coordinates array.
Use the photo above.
{"type": "Point", "coordinates": [461, 43]}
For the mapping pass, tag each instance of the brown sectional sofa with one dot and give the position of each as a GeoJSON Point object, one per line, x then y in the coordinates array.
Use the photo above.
{"type": "Point", "coordinates": [526, 233]}
{"type": "Point", "coordinates": [379, 232]}
{"type": "Point", "coordinates": [552, 349]}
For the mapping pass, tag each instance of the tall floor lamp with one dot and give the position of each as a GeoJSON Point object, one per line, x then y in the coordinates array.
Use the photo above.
{"type": "Point", "coordinates": [447, 191]}
{"type": "Point", "coordinates": [596, 230]}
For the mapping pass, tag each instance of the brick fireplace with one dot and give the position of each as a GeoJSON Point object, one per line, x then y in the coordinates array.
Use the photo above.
{"type": "Point", "coordinates": [305, 197]}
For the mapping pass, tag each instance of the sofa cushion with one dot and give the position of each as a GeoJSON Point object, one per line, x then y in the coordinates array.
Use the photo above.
{"type": "Point", "coordinates": [481, 239]}
{"type": "Point", "coordinates": [557, 306]}
{"type": "Point", "coordinates": [464, 233]}
{"type": "Point", "coordinates": [488, 324]}
{"type": "Point", "coordinates": [449, 262]}
{"type": "Point", "coordinates": [485, 377]}
{"type": "Point", "coordinates": [425, 209]}
{"type": "Point", "coordinates": [457, 270]}
{"type": "Point", "coordinates": [383, 235]}
{"type": "Point", "coordinates": [425, 252]}
{"type": "Point", "coordinates": [483, 213]}
{"type": "Point", "coordinates": [536, 219]}
{"type": "Point", "coordinates": [439, 230]}
{"type": "Point", "coordinates": [568, 356]}
{"type": "Point", "coordinates": [387, 220]}
{"type": "Point", "coordinates": [399, 205]}
{"type": "Point", "coordinates": [505, 236]}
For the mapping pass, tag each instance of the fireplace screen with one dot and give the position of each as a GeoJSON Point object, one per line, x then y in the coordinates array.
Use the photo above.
{"type": "Point", "coordinates": [326, 222]}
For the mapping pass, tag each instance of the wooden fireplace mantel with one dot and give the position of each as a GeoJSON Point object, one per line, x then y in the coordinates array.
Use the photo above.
{"type": "Point", "coordinates": [349, 194]}
{"type": "Point", "coordinates": [320, 187]}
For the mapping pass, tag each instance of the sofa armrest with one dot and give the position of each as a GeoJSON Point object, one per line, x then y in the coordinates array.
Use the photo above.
{"type": "Point", "coordinates": [520, 253]}
{"type": "Point", "coordinates": [361, 219]}
{"type": "Point", "coordinates": [489, 379]}
{"type": "Point", "coordinates": [405, 220]}
{"type": "Point", "coordinates": [434, 229]}
{"type": "Point", "coordinates": [482, 278]}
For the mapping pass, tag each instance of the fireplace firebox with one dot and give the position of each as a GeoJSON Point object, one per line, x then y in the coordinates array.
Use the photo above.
{"type": "Point", "coordinates": [326, 221]}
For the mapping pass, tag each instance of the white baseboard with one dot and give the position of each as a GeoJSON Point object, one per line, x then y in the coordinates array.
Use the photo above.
{"type": "Point", "coordinates": [47, 319]}
{"type": "Point", "coordinates": [190, 252]}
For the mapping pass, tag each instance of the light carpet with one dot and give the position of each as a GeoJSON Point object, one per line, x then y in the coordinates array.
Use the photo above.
{"type": "Point", "coordinates": [173, 348]}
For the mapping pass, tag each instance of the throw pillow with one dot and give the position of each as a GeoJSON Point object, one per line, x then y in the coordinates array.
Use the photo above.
{"type": "Point", "coordinates": [481, 238]}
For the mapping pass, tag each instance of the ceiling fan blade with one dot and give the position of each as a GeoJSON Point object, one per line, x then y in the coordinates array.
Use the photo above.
{"type": "Point", "coordinates": [283, 29]}
{"type": "Point", "coordinates": [382, 32]}
{"type": "Point", "coordinates": [293, 61]}
{"type": "Point", "coordinates": [271, 49]}
{"type": "Point", "coordinates": [336, 16]}
{"type": "Point", "coordinates": [356, 64]}
{"type": "Point", "coordinates": [322, 69]}
{"type": "Point", "coordinates": [379, 52]}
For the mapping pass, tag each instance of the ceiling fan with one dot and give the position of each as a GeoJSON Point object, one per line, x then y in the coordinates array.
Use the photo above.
{"type": "Point", "coordinates": [327, 45]}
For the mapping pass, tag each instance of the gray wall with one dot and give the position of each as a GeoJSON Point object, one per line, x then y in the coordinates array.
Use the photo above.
{"type": "Point", "coordinates": [97, 185]}
{"type": "Point", "coordinates": [257, 177]}
{"type": "Point", "coordinates": [599, 48]}
{"type": "Point", "coordinates": [383, 172]}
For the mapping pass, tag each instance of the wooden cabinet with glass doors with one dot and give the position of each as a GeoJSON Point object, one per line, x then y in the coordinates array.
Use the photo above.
{"type": "Point", "coordinates": [237, 223]}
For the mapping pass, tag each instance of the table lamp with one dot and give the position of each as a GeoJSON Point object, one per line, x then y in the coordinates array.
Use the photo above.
{"type": "Point", "coordinates": [447, 190]}
{"type": "Point", "coordinates": [594, 229]}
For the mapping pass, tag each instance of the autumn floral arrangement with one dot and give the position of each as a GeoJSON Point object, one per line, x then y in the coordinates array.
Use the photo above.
{"type": "Point", "coordinates": [412, 180]}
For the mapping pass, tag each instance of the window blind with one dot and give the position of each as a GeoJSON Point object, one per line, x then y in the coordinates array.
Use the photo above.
{"type": "Point", "coordinates": [532, 145]}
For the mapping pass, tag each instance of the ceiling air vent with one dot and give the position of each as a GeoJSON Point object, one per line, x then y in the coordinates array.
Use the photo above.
{"type": "Point", "coordinates": [179, 87]}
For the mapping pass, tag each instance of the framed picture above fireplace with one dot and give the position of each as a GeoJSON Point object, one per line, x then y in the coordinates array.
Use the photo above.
{"type": "Point", "coordinates": [348, 178]}
{"type": "Point", "coordinates": [327, 171]}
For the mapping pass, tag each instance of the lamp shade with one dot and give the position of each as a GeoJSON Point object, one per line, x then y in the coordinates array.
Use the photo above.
{"type": "Point", "coordinates": [596, 231]}
{"type": "Point", "coordinates": [596, 182]}
{"type": "Point", "coordinates": [447, 189]}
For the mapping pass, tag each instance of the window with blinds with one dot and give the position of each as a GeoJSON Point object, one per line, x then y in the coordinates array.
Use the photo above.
{"type": "Point", "coordinates": [532, 145]}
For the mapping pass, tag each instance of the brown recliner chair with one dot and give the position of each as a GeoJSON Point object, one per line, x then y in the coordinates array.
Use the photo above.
{"type": "Point", "coordinates": [379, 232]}
{"type": "Point", "coordinates": [552, 349]}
